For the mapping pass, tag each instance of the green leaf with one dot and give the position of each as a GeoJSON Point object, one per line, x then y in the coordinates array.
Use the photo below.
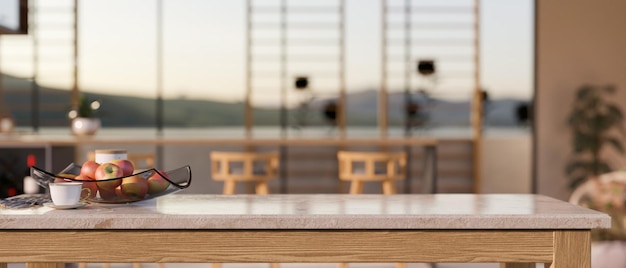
{"type": "Point", "coordinates": [575, 182]}
{"type": "Point", "coordinates": [617, 144]}
{"type": "Point", "coordinates": [584, 92]}
{"type": "Point", "coordinates": [610, 89]}
{"type": "Point", "coordinates": [604, 167]}
{"type": "Point", "coordinates": [575, 166]}
{"type": "Point", "coordinates": [615, 112]}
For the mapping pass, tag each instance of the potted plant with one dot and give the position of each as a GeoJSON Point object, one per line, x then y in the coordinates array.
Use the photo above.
{"type": "Point", "coordinates": [606, 193]}
{"type": "Point", "coordinates": [596, 125]}
{"type": "Point", "coordinates": [83, 118]}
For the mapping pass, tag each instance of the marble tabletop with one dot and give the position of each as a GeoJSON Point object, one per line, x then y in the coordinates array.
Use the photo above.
{"type": "Point", "coordinates": [317, 211]}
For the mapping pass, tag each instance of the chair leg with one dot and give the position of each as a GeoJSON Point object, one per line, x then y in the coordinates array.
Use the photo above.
{"type": "Point", "coordinates": [160, 265]}
{"type": "Point", "coordinates": [216, 265]}
{"type": "Point", "coordinates": [106, 265]}
{"type": "Point", "coordinates": [356, 187]}
{"type": "Point", "coordinates": [343, 265]}
{"type": "Point", "coordinates": [262, 188]}
{"type": "Point", "coordinates": [136, 265]}
{"type": "Point", "coordinates": [389, 187]}
{"type": "Point", "coordinates": [229, 186]}
{"type": "Point", "coordinates": [82, 265]}
{"type": "Point", "coordinates": [400, 265]}
{"type": "Point", "coordinates": [274, 265]}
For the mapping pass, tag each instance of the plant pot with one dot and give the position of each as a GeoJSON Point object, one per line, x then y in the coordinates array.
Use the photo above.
{"type": "Point", "coordinates": [82, 126]}
{"type": "Point", "coordinates": [6, 124]}
{"type": "Point", "coordinates": [608, 254]}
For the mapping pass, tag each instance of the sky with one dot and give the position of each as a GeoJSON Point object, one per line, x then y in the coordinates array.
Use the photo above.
{"type": "Point", "coordinates": [9, 17]}
{"type": "Point", "coordinates": [204, 50]}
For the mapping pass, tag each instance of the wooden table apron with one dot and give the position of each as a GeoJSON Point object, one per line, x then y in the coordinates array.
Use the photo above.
{"type": "Point", "coordinates": [517, 248]}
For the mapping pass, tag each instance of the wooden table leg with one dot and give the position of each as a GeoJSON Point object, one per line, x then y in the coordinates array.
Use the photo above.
{"type": "Point", "coordinates": [3, 265]}
{"type": "Point", "coordinates": [572, 249]}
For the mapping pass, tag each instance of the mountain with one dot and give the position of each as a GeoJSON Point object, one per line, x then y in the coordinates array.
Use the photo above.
{"type": "Point", "coordinates": [124, 111]}
{"type": "Point", "coordinates": [129, 111]}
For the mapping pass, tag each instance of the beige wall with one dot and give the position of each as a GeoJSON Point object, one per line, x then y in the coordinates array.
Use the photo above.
{"type": "Point", "coordinates": [578, 42]}
{"type": "Point", "coordinates": [506, 164]}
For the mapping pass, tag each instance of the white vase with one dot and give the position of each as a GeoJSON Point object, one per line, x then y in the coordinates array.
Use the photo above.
{"type": "Point", "coordinates": [608, 254]}
{"type": "Point", "coordinates": [82, 126]}
{"type": "Point", "coordinates": [6, 124]}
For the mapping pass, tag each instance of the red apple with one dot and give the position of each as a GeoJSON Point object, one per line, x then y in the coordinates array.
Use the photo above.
{"type": "Point", "coordinates": [157, 184]}
{"type": "Point", "coordinates": [127, 166]}
{"type": "Point", "coordinates": [93, 188]}
{"type": "Point", "coordinates": [135, 187]}
{"type": "Point", "coordinates": [107, 194]}
{"type": "Point", "coordinates": [119, 193]}
{"type": "Point", "coordinates": [89, 169]}
{"type": "Point", "coordinates": [108, 171]}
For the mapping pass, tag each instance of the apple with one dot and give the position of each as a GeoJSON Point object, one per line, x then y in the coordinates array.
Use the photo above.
{"type": "Point", "coordinates": [93, 188]}
{"type": "Point", "coordinates": [135, 187]}
{"type": "Point", "coordinates": [89, 169]}
{"type": "Point", "coordinates": [119, 193]}
{"type": "Point", "coordinates": [127, 166]}
{"type": "Point", "coordinates": [157, 184]}
{"type": "Point", "coordinates": [108, 171]}
{"type": "Point", "coordinates": [107, 194]}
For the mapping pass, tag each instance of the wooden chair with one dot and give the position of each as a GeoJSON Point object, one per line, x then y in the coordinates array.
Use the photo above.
{"type": "Point", "coordinates": [233, 167]}
{"type": "Point", "coordinates": [361, 167]}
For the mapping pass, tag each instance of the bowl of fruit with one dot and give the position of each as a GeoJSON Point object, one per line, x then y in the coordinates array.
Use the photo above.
{"type": "Point", "coordinates": [117, 181]}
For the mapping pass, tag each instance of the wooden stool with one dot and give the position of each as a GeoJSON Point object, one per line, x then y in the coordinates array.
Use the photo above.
{"type": "Point", "coordinates": [233, 167]}
{"type": "Point", "coordinates": [361, 167]}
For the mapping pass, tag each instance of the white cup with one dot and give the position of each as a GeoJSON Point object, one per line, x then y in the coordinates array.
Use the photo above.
{"type": "Point", "coordinates": [67, 193]}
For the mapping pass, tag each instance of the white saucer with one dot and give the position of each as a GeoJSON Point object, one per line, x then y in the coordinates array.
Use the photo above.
{"type": "Point", "coordinates": [77, 205]}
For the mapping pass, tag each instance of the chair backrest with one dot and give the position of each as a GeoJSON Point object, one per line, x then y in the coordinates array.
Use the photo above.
{"type": "Point", "coordinates": [371, 166]}
{"type": "Point", "coordinates": [244, 166]}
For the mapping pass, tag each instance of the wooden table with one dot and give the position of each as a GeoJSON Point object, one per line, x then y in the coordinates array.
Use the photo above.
{"type": "Point", "coordinates": [516, 230]}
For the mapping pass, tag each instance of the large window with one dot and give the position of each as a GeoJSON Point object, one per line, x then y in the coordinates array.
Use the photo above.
{"type": "Point", "coordinates": [191, 64]}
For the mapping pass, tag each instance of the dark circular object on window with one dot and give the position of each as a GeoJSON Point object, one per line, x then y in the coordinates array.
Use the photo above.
{"type": "Point", "coordinates": [302, 82]}
{"type": "Point", "coordinates": [426, 67]}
